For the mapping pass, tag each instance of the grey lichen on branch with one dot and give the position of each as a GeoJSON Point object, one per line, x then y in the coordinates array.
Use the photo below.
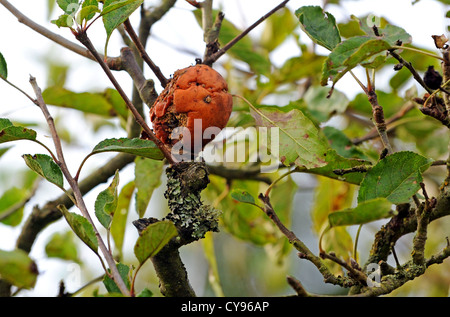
{"type": "Point", "coordinates": [185, 182]}
{"type": "Point", "coordinates": [193, 219]}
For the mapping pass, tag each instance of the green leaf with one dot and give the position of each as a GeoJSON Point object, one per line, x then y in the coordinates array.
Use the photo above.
{"type": "Point", "coordinates": [365, 212]}
{"type": "Point", "coordinates": [90, 3]}
{"type": "Point", "coordinates": [102, 103]}
{"type": "Point", "coordinates": [62, 246]}
{"type": "Point", "coordinates": [106, 202]}
{"type": "Point", "coordinates": [243, 196]}
{"type": "Point", "coordinates": [329, 196]}
{"type": "Point", "coordinates": [323, 107]}
{"type": "Point", "coordinates": [392, 103]}
{"type": "Point", "coordinates": [68, 6]}
{"type": "Point", "coordinates": [3, 150]}
{"type": "Point", "coordinates": [136, 146]}
{"type": "Point", "coordinates": [87, 3]}
{"type": "Point", "coordinates": [389, 33]}
{"type": "Point", "coordinates": [82, 228]}
{"type": "Point", "coordinates": [17, 268]}
{"type": "Point", "coordinates": [298, 67]}
{"type": "Point", "coordinates": [300, 141]}
{"type": "Point", "coordinates": [320, 26]}
{"type": "Point", "coordinates": [87, 13]}
{"type": "Point", "coordinates": [342, 144]}
{"type": "Point", "coordinates": [115, 12]}
{"type": "Point", "coordinates": [111, 286]}
{"type": "Point", "coordinates": [153, 238]}
{"type": "Point", "coordinates": [12, 204]}
{"type": "Point", "coordinates": [63, 21]}
{"type": "Point", "coordinates": [119, 221]}
{"type": "Point", "coordinates": [147, 175]}
{"type": "Point", "coordinates": [3, 67]}
{"type": "Point", "coordinates": [46, 167]}
{"type": "Point", "coordinates": [277, 28]}
{"type": "Point", "coordinates": [396, 177]}
{"type": "Point", "coordinates": [365, 50]}
{"type": "Point", "coordinates": [246, 221]}
{"type": "Point", "coordinates": [348, 54]}
{"type": "Point", "coordinates": [50, 7]}
{"type": "Point", "coordinates": [9, 132]}
{"type": "Point", "coordinates": [145, 293]}
{"type": "Point", "coordinates": [338, 162]}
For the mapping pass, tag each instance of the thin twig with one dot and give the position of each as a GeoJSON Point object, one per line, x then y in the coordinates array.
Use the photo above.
{"type": "Point", "coordinates": [74, 185]}
{"type": "Point", "coordinates": [141, 49]}
{"type": "Point", "coordinates": [409, 66]}
{"type": "Point", "coordinates": [84, 39]}
{"type": "Point", "coordinates": [22, 91]}
{"type": "Point", "coordinates": [304, 252]}
{"type": "Point", "coordinates": [214, 57]}
{"type": "Point", "coordinates": [354, 273]}
{"type": "Point", "coordinates": [45, 32]}
{"type": "Point", "coordinates": [374, 134]}
{"type": "Point", "coordinates": [378, 116]}
{"type": "Point", "coordinates": [297, 286]}
{"type": "Point", "coordinates": [417, 51]}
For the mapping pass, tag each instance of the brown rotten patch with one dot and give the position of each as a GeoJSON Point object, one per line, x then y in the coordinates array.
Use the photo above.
{"type": "Point", "coordinates": [195, 92]}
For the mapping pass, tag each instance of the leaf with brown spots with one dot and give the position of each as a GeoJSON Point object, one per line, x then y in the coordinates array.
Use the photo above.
{"type": "Point", "coordinates": [297, 139]}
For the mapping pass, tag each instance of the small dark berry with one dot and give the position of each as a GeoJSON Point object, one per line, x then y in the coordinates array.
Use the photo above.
{"type": "Point", "coordinates": [432, 78]}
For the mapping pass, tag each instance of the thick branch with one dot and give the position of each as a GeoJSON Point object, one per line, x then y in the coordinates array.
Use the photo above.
{"type": "Point", "coordinates": [403, 223]}
{"type": "Point", "coordinates": [172, 274]}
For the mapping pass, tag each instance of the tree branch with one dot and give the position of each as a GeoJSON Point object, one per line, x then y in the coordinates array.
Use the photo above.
{"type": "Point", "coordinates": [378, 116]}
{"type": "Point", "coordinates": [83, 38]}
{"type": "Point", "coordinates": [76, 190]}
{"type": "Point", "coordinates": [214, 57]}
{"type": "Point", "coordinates": [409, 66]}
{"type": "Point", "coordinates": [374, 134]}
{"type": "Point", "coordinates": [403, 223]}
{"type": "Point", "coordinates": [41, 217]}
{"type": "Point", "coordinates": [45, 32]}
{"type": "Point", "coordinates": [304, 252]}
{"type": "Point", "coordinates": [239, 173]}
{"type": "Point", "coordinates": [141, 49]}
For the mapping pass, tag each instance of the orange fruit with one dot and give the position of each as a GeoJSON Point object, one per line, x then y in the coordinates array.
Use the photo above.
{"type": "Point", "coordinates": [196, 98]}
